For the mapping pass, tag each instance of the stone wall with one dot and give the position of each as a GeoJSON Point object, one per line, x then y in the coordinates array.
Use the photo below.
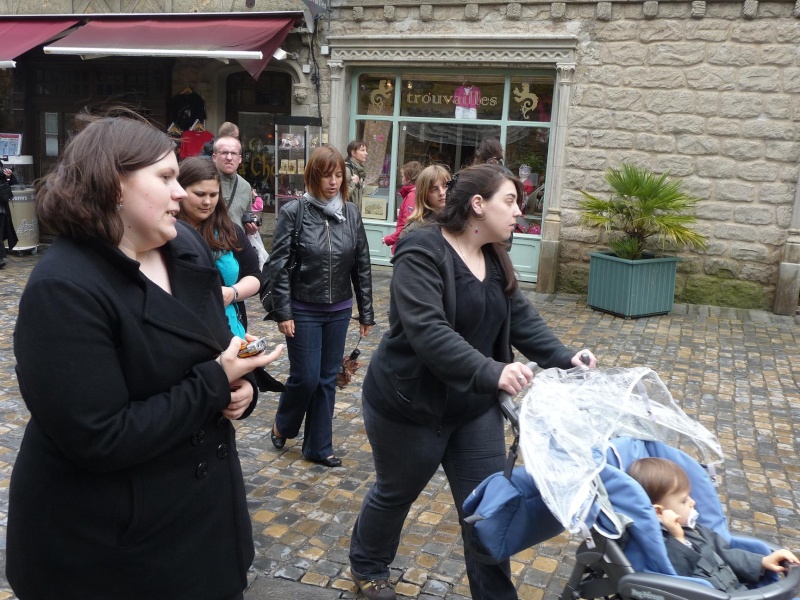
{"type": "Point", "coordinates": [704, 90]}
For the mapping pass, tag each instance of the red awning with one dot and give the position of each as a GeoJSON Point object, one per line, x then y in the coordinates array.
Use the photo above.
{"type": "Point", "coordinates": [20, 35]}
{"type": "Point", "coordinates": [251, 41]}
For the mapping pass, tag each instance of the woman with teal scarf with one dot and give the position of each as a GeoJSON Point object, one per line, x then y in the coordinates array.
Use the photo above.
{"type": "Point", "coordinates": [236, 259]}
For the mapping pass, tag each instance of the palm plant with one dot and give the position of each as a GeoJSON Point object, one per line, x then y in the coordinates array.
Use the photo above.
{"type": "Point", "coordinates": [643, 205]}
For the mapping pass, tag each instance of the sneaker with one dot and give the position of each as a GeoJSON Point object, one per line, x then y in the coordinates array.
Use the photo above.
{"type": "Point", "coordinates": [376, 589]}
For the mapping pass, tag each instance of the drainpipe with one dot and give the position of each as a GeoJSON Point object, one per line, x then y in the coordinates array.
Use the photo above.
{"type": "Point", "coordinates": [788, 289]}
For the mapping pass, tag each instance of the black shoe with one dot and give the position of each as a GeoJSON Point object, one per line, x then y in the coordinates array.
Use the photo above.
{"type": "Point", "coordinates": [330, 462]}
{"type": "Point", "coordinates": [2, 263]}
{"type": "Point", "coordinates": [375, 589]}
{"type": "Point", "coordinates": [277, 441]}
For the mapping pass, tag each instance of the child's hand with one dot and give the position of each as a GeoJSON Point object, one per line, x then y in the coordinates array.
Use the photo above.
{"type": "Point", "coordinates": [669, 519]}
{"type": "Point", "coordinates": [772, 562]}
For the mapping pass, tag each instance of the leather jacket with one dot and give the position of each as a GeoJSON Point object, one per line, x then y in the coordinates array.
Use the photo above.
{"type": "Point", "coordinates": [332, 261]}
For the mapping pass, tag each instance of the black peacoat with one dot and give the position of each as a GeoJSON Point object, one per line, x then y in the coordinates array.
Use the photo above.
{"type": "Point", "coordinates": [128, 483]}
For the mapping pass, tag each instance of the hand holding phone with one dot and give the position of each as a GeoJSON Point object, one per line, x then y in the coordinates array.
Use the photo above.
{"type": "Point", "coordinates": [252, 348]}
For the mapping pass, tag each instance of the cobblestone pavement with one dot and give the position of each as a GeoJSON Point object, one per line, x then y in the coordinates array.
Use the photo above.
{"type": "Point", "coordinates": [737, 371]}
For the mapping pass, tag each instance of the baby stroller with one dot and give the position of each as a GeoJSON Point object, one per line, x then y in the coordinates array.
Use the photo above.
{"type": "Point", "coordinates": [579, 430]}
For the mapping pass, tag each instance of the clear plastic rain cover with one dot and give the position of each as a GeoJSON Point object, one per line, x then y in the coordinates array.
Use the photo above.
{"type": "Point", "coordinates": [568, 417]}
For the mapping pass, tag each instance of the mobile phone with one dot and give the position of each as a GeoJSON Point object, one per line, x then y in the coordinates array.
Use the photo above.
{"type": "Point", "coordinates": [253, 348]}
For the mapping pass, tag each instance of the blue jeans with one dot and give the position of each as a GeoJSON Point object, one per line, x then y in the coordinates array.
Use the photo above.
{"type": "Point", "coordinates": [315, 356]}
{"type": "Point", "coordinates": [406, 456]}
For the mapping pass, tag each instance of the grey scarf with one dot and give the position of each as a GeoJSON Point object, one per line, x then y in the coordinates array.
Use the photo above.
{"type": "Point", "coordinates": [332, 208]}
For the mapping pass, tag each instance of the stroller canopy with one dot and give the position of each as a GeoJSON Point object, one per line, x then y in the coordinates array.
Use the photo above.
{"type": "Point", "coordinates": [567, 420]}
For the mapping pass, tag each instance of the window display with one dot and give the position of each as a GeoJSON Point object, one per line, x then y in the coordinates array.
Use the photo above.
{"type": "Point", "coordinates": [295, 138]}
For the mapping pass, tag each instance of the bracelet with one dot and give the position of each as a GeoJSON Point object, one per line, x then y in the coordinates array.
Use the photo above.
{"type": "Point", "coordinates": [235, 293]}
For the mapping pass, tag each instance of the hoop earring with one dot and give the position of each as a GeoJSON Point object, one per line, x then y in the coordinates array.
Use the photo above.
{"type": "Point", "coordinates": [119, 206]}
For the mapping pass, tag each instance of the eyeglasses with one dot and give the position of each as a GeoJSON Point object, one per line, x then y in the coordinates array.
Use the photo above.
{"type": "Point", "coordinates": [228, 154]}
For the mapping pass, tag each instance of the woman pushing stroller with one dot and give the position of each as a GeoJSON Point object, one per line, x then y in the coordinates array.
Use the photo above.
{"type": "Point", "coordinates": [430, 393]}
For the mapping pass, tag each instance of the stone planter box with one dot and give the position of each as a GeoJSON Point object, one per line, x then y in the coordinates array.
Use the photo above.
{"type": "Point", "coordinates": [631, 288]}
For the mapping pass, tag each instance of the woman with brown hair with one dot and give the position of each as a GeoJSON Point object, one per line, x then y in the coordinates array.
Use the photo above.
{"type": "Point", "coordinates": [235, 258]}
{"type": "Point", "coordinates": [313, 302]}
{"type": "Point", "coordinates": [127, 483]}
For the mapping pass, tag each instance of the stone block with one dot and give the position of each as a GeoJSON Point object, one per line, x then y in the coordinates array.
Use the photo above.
{"type": "Point", "coordinates": [605, 74]}
{"type": "Point", "coordinates": [622, 53]}
{"type": "Point", "coordinates": [778, 106]}
{"type": "Point", "coordinates": [670, 101]}
{"type": "Point", "coordinates": [713, 211]}
{"type": "Point", "coordinates": [708, 31]}
{"type": "Point", "coordinates": [758, 171]}
{"type": "Point", "coordinates": [358, 14]}
{"type": "Point", "coordinates": [692, 144]}
{"type": "Point", "coordinates": [724, 127]}
{"type": "Point", "coordinates": [650, 9]}
{"type": "Point", "coordinates": [425, 12]}
{"type": "Point", "coordinates": [735, 191]}
{"type": "Point", "coordinates": [758, 79]}
{"type": "Point", "coordinates": [750, 9]}
{"type": "Point", "coordinates": [783, 216]}
{"type": "Point", "coordinates": [472, 12]}
{"type": "Point", "coordinates": [700, 188]}
{"type": "Point", "coordinates": [750, 252]}
{"type": "Point", "coordinates": [706, 77]}
{"type": "Point", "coordinates": [389, 12]}
{"type": "Point", "coordinates": [698, 9]}
{"type": "Point", "coordinates": [588, 95]}
{"type": "Point", "coordinates": [754, 32]}
{"type": "Point", "coordinates": [740, 149]}
{"type": "Point", "coordinates": [615, 32]}
{"type": "Point", "coordinates": [661, 30]}
{"type": "Point", "coordinates": [635, 121]}
{"type": "Point", "coordinates": [610, 139]}
{"type": "Point", "coordinates": [722, 168]}
{"type": "Point", "coordinates": [514, 10]}
{"type": "Point", "coordinates": [787, 32]}
{"type": "Point", "coordinates": [707, 103]}
{"type": "Point", "coordinates": [779, 54]}
{"type": "Point", "coordinates": [754, 215]}
{"type": "Point", "coordinates": [791, 79]}
{"type": "Point", "coordinates": [647, 77]}
{"type": "Point", "coordinates": [788, 173]}
{"type": "Point", "coordinates": [782, 151]}
{"type": "Point", "coordinates": [676, 54]}
{"type": "Point", "coordinates": [681, 124]}
{"type": "Point", "coordinates": [721, 267]}
{"type": "Point", "coordinates": [734, 55]}
{"type": "Point", "coordinates": [740, 105]}
{"type": "Point", "coordinates": [590, 118]}
{"type": "Point", "coordinates": [558, 10]}
{"type": "Point", "coordinates": [577, 138]}
{"type": "Point", "coordinates": [675, 165]}
{"type": "Point", "coordinates": [624, 99]}
{"type": "Point", "coordinates": [603, 11]}
{"type": "Point", "coordinates": [585, 159]}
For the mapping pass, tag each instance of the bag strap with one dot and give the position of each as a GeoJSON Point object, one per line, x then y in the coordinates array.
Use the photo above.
{"type": "Point", "coordinates": [233, 191]}
{"type": "Point", "coordinates": [295, 243]}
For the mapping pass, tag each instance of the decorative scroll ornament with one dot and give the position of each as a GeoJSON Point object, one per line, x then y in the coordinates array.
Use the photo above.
{"type": "Point", "coordinates": [378, 97]}
{"type": "Point", "coordinates": [526, 99]}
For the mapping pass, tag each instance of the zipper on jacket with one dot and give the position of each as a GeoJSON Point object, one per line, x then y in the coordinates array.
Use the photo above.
{"type": "Point", "coordinates": [330, 261]}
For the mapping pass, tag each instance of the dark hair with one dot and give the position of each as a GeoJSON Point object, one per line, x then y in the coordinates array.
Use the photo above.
{"type": "Point", "coordinates": [490, 151]}
{"type": "Point", "coordinates": [485, 181]}
{"type": "Point", "coordinates": [217, 230]}
{"type": "Point", "coordinates": [411, 170]}
{"type": "Point", "coordinates": [355, 145]}
{"type": "Point", "coordinates": [659, 477]}
{"type": "Point", "coordinates": [324, 161]}
{"type": "Point", "coordinates": [79, 197]}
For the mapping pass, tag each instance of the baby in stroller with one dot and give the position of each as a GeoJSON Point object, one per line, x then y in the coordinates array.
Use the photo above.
{"type": "Point", "coordinates": [693, 549]}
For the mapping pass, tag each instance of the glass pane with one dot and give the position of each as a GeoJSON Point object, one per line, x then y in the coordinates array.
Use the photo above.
{"type": "Point", "coordinates": [452, 144]}
{"type": "Point", "coordinates": [531, 98]}
{"type": "Point", "coordinates": [257, 134]}
{"type": "Point", "coordinates": [452, 96]}
{"type": "Point", "coordinates": [526, 156]}
{"type": "Point", "coordinates": [375, 200]}
{"type": "Point", "coordinates": [375, 94]}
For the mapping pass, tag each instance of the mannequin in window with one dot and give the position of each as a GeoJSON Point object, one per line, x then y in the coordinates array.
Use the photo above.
{"type": "Point", "coordinates": [467, 97]}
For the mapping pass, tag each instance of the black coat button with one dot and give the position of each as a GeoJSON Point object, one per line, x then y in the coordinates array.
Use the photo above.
{"type": "Point", "coordinates": [222, 450]}
{"type": "Point", "coordinates": [198, 437]}
{"type": "Point", "coordinates": [202, 470]}
{"type": "Point", "coordinates": [221, 422]}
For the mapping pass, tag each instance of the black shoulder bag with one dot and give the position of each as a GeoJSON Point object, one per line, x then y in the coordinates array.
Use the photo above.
{"type": "Point", "coordinates": [265, 292]}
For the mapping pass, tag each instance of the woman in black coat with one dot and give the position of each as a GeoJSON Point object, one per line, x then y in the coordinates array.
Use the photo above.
{"type": "Point", "coordinates": [128, 482]}
{"type": "Point", "coordinates": [430, 393]}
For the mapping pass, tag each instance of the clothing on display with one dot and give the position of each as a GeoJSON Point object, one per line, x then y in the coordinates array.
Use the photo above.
{"type": "Point", "coordinates": [186, 108]}
{"type": "Point", "coordinates": [467, 97]}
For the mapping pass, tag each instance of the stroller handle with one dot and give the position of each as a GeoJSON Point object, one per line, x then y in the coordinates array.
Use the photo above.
{"type": "Point", "coordinates": [508, 406]}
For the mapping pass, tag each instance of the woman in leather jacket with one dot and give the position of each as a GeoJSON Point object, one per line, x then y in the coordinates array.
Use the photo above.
{"type": "Point", "coordinates": [314, 301]}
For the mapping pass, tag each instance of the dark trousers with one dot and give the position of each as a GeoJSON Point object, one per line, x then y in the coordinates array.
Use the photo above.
{"type": "Point", "coordinates": [315, 356]}
{"type": "Point", "coordinates": [3, 217]}
{"type": "Point", "coordinates": [406, 456]}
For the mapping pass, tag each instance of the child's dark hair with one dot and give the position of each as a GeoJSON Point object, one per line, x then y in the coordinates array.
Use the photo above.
{"type": "Point", "coordinates": [659, 477]}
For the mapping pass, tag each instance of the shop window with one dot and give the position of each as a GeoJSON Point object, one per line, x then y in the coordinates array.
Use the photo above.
{"type": "Point", "coordinates": [376, 94]}
{"type": "Point", "coordinates": [531, 99]}
{"type": "Point", "coordinates": [452, 144]}
{"type": "Point", "coordinates": [375, 197]}
{"type": "Point", "coordinates": [452, 97]}
{"type": "Point", "coordinates": [526, 155]}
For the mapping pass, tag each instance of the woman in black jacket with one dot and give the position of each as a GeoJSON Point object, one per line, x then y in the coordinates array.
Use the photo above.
{"type": "Point", "coordinates": [235, 258]}
{"type": "Point", "coordinates": [128, 483]}
{"type": "Point", "coordinates": [430, 393]}
{"type": "Point", "coordinates": [313, 302]}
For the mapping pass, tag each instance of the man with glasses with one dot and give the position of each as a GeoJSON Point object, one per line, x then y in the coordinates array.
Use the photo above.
{"type": "Point", "coordinates": [236, 192]}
